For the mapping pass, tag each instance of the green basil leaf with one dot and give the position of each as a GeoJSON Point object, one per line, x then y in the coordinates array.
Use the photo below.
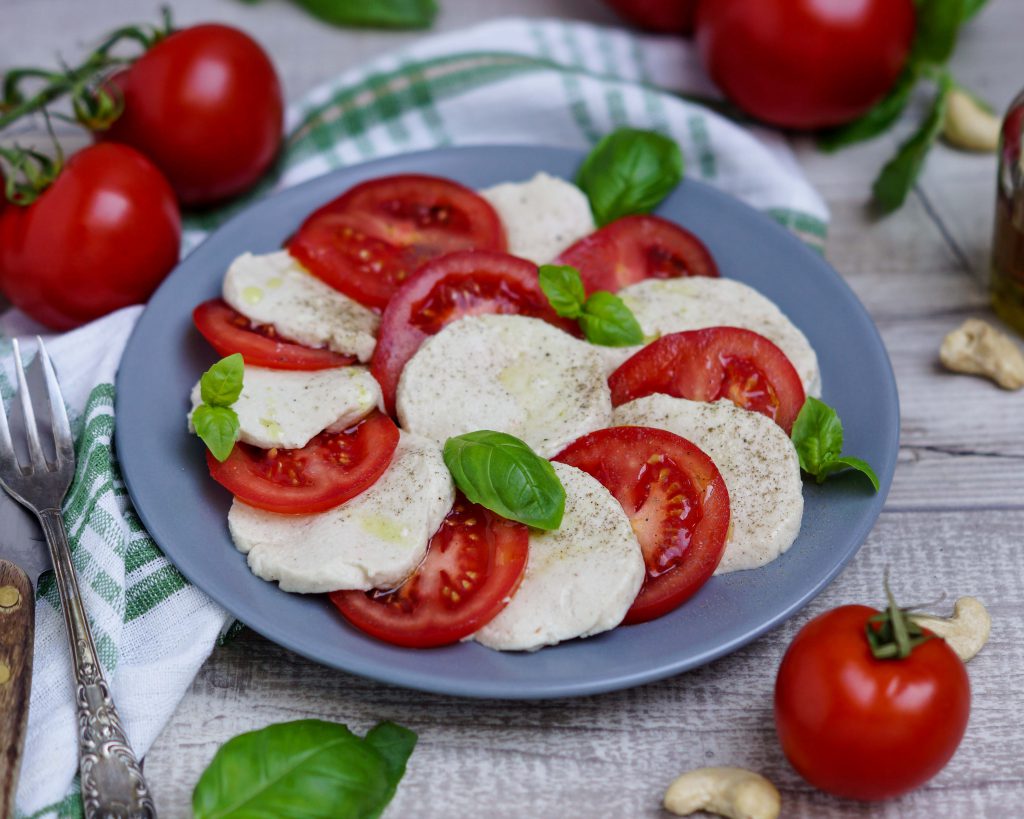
{"type": "Point", "coordinates": [972, 7]}
{"type": "Point", "coordinates": [878, 119]}
{"type": "Point", "coordinates": [564, 288]}
{"type": "Point", "coordinates": [817, 435]}
{"type": "Point", "coordinates": [502, 473]}
{"type": "Point", "coordinates": [938, 23]}
{"type": "Point", "coordinates": [897, 178]}
{"type": "Point", "coordinates": [218, 427]}
{"type": "Point", "coordinates": [607, 321]}
{"type": "Point", "coordinates": [308, 768]}
{"type": "Point", "coordinates": [849, 462]}
{"type": "Point", "coordinates": [395, 744]}
{"type": "Point", "coordinates": [373, 13]}
{"type": "Point", "coordinates": [629, 171]}
{"type": "Point", "coordinates": [221, 385]}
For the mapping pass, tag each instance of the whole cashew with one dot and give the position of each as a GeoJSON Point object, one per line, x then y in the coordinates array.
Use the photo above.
{"type": "Point", "coordinates": [735, 793]}
{"type": "Point", "coordinates": [978, 348]}
{"type": "Point", "coordinates": [966, 631]}
{"type": "Point", "coordinates": [968, 125]}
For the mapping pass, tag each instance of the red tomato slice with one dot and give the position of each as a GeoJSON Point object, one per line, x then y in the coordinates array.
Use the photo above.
{"type": "Point", "coordinates": [326, 472]}
{"type": "Point", "coordinates": [473, 566]}
{"type": "Point", "coordinates": [229, 332]}
{"type": "Point", "coordinates": [676, 501]}
{"type": "Point", "coordinates": [369, 240]}
{"type": "Point", "coordinates": [467, 283]}
{"type": "Point", "coordinates": [635, 248]}
{"type": "Point", "coordinates": [717, 362]}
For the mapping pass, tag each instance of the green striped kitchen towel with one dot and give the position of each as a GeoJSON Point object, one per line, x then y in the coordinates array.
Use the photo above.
{"type": "Point", "coordinates": [510, 81]}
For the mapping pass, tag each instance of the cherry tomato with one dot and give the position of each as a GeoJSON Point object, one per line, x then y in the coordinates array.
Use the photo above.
{"type": "Point", "coordinates": [717, 362]}
{"type": "Point", "coordinates": [675, 499]}
{"type": "Point", "coordinates": [665, 16]}
{"type": "Point", "coordinates": [101, 237]}
{"type": "Point", "coordinates": [805, 63]}
{"type": "Point", "coordinates": [326, 472]}
{"type": "Point", "coordinates": [466, 283]}
{"type": "Point", "coordinates": [864, 728]}
{"type": "Point", "coordinates": [228, 332]}
{"type": "Point", "coordinates": [205, 105]}
{"type": "Point", "coordinates": [473, 566]}
{"type": "Point", "coordinates": [368, 241]}
{"type": "Point", "coordinates": [635, 248]}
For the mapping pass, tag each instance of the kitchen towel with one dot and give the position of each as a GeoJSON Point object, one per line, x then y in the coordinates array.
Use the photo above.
{"type": "Point", "coordinates": [546, 82]}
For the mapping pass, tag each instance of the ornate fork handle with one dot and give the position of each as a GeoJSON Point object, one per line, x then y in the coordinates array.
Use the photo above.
{"type": "Point", "coordinates": [113, 786]}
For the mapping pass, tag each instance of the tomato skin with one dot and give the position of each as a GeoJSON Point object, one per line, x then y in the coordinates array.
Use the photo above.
{"type": "Point", "coordinates": [805, 63]}
{"type": "Point", "coordinates": [862, 728]}
{"type": "Point", "coordinates": [205, 105]}
{"type": "Point", "coordinates": [665, 16]}
{"type": "Point", "coordinates": [101, 237]}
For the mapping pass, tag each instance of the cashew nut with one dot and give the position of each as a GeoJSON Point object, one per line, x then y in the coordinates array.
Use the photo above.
{"type": "Point", "coordinates": [968, 124]}
{"type": "Point", "coordinates": [732, 792]}
{"type": "Point", "coordinates": [966, 631]}
{"type": "Point", "coordinates": [978, 348]}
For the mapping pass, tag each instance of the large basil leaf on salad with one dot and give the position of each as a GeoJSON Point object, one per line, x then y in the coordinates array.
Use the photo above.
{"type": "Point", "coordinates": [604, 317]}
{"type": "Point", "coordinates": [818, 438]}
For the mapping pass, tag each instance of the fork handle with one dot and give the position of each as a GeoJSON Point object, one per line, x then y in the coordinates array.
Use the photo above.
{"type": "Point", "coordinates": [111, 778]}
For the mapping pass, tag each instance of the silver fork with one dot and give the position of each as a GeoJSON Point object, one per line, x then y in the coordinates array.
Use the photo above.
{"type": "Point", "coordinates": [111, 778]}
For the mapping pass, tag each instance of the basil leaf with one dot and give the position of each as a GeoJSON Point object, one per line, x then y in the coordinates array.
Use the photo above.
{"type": "Point", "coordinates": [972, 7]}
{"type": "Point", "coordinates": [373, 14]}
{"type": "Point", "coordinates": [395, 745]}
{"type": "Point", "coordinates": [938, 23]}
{"type": "Point", "coordinates": [878, 119]}
{"type": "Point", "coordinates": [899, 174]}
{"type": "Point", "coordinates": [629, 171]}
{"type": "Point", "coordinates": [849, 462]}
{"type": "Point", "coordinates": [564, 288]}
{"type": "Point", "coordinates": [221, 385]}
{"type": "Point", "coordinates": [308, 768]}
{"type": "Point", "coordinates": [607, 321]}
{"type": "Point", "coordinates": [503, 474]}
{"type": "Point", "coordinates": [218, 427]}
{"type": "Point", "coordinates": [818, 438]}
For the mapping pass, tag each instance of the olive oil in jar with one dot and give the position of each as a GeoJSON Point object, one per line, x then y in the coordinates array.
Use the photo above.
{"type": "Point", "coordinates": [1007, 281]}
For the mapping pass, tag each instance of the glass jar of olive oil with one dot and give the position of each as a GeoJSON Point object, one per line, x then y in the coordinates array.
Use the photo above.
{"type": "Point", "coordinates": [1008, 244]}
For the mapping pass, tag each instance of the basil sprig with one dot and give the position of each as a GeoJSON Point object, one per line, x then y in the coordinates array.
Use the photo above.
{"type": "Point", "coordinates": [214, 420]}
{"type": "Point", "coordinates": [818, 438]}
{"type": "Point", "coordinates": [629, 171]}
{"type": "Point", "coordinates": [308, 768]}
{"type": "Point", "coordinates": [374, 14]}
{"type": "Point", "coordinates": [604, 317]}
{"type": "Point", "coordinates": [502, 473]}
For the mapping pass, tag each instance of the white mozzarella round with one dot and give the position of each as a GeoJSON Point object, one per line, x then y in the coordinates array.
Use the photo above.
{"type": "Point", "coordinates": [507, 373]}
{"type": "Point", "coordinates": [275, 289]}
{"type": "Point", "coordinates": [758, 463]}
{"type": "Point", "coordinates": [375, 540]}
{"type": "Point", "coordinates": [664, 306]}
{"type": "Point", "coordinates": [286, 408]}
{"type": "Point", "coordinates": [580, 580]}
{"type": "Point", "coordinates": [542, 217]}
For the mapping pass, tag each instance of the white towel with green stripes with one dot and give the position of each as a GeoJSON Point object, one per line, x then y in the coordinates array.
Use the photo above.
{"type": "Point", "coordinates": [511, 81]}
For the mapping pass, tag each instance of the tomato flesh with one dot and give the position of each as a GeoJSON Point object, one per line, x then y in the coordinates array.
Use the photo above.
{"type": "Point", "coordinates": [474, 564]}
{"type": "Point", "coordinates": [676, 501]}
{"type": "Point", "coordinates": [717, 362]}
{"type": "Point", "coordinates": [229, 332]}
{"type": "Point", "coordinates": [635, 248]}
{"type": "Point", "coordinates": [862, 728]}
{"type": "Point", "coordinates": [332, 468]}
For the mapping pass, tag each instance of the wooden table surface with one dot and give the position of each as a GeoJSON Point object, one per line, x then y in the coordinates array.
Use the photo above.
{"type": "Point", "coordinates": [952, 526]}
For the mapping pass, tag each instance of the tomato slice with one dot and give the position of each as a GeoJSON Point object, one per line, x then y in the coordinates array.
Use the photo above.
{"type": "Point", "coordinates": [372, 238]}
{"type": "Point", "coordinates": [473, 566]}
{"type": "Point", "coordinates": [713, 363]}
{"type": "Point", "coordinates": [326, 472]}
{"type": "Point", "coordinates": [676, 500]}
{"type": "Point", "coordinates": [467, 283]}
{"type": "Point", "coordinates": [635, 248]}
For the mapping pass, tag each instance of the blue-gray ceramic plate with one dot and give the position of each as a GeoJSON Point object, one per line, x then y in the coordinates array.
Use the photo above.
{"type": "Point", "coordinates": [186, 512]}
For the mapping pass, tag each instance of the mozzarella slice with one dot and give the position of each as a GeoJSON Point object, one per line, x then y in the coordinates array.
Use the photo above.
{"type": "Point", "coordinates": [580, 579]}
{"type": "Point", "coordinates": [375, 540]}
{"type": "Point", "coordinates": [665, 306]}
{"type": "Point", "coordinates": [507, 373]}
{"type": "Point", "coordinates": [758, 463]}
{"type": "Point", "coordinates": [285, 408]}
{"type": "Point", "coordinates": [542, 217]}
{"type": "Point", "coordinates": [276, 289]}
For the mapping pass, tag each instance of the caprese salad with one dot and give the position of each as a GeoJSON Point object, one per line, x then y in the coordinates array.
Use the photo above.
{"type": "Point", "coordinates": [479, 415]}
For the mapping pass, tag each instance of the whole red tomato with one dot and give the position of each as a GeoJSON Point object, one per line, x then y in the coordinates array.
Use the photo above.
{"type": "Point", "coordinates": [805, 63]}
{"type": "Point", "coordinates": [205, 105]}
{"type": "Point", "coordinates": [864, 728]}
{"type": "Point", "coordinates": [666, 16]}
{"type": "Point", "coordinates": [101, 237]}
